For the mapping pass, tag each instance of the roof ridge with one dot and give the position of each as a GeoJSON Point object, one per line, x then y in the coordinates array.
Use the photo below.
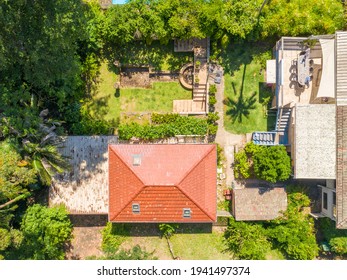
{"type": "Point", "coordinates": [196, 204]}
{"type": "Point", "coordinates": [186, 175]}
{"type": "Point", "coordinates": [143, 185]}
{"type": "Point", "coordinates": [191, 169]}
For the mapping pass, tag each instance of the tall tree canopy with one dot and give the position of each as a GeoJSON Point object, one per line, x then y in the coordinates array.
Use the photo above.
{"type": "Point", "coordinates": [39, 42]}
{"type": "Point", "coordinates": [296, 17]}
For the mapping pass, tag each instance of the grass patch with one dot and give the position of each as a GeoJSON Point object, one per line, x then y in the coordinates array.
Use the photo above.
{"type": "Point", "coordinates": [201, 246]}
{"type": "Point", "coordinates": [245, 90]}
{"type": "Point", "coordinates": [159, 98]}
{"type": "Point", "coordinates": [108, 103]}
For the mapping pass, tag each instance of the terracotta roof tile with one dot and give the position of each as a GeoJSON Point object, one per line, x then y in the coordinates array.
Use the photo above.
{"type": "Point", "coordinates": [168, 179]}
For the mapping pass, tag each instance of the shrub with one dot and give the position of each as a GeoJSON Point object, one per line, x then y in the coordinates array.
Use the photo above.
{"type": "Point", "coordinates": [213, 89]}
{"type": "Point", "coordinates": [164, 118]}
{"type": "Point", "coordinates": [212, 129]}
{"type": "Point", "coordinates": [46, 231]}
{"type": "Point", "coordinates": [113, 236]}
{"type": "Point", "coordinates": [168, 230]}
{"type": "Point", "coordinates": [337, 238]}
{"type": "Point", "coordinates": [293, 232]}
{"type": "Point", "coordinates": [212, 118]}
{"type": "Point", "coordinates": [82, 123]}
{"type": "Point", "coordinates": [241, 165]}
{"type": "Point", "coordinates": [212, 100]}
{"type": "Point", "coordinates": [135, 253]}
{"type": "Point", "coordinates": [246, 240]}
{"type": "Point", "coordinates": [269, 163]}
{"type": "Point", "coordinates": [167, 125]}
{"type": "Point", "coordinates": [339, 245]}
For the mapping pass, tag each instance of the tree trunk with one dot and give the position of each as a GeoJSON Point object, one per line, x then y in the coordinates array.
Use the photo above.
{"type": "Point", "coordinates": [22, 196]}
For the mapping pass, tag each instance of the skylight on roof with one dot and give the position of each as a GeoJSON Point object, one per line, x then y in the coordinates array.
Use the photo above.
{"type": "Point", "coordinates": [136, 208]}
{"type": "Point", "coordinates": [136, 160]}
{"type": "Point", "coordinates": [186, 213]}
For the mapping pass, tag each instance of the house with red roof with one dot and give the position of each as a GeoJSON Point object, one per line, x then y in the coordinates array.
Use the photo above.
{"type": "Point", "coordinates": [162, 183]}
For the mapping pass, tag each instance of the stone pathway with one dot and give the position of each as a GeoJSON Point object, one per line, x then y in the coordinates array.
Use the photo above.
{"type": "Point", "coordinates": [230, 142]}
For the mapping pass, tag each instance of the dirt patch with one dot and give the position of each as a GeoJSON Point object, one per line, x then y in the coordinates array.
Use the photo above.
{"type": "Point", "coordinates": [86, 242]}
{"type": "Point", "coordinates": [87, 236]}
{"type": "Point", "coordinates": [132, 77]}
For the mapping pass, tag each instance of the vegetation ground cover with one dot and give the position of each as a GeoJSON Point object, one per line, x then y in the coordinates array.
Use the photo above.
{"type": "Point", "coordinates": [245, 90]}
{"type": "Point", "coordinates": [108, 103]}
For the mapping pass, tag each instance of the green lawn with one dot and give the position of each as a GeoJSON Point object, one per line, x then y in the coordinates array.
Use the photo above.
{"type": "Point", "coordinates": [107, 103]}
{"type": "Point", "coordinates": [200, 246]}
{"type": "Point", "coordinates": [158, 99]}
{"type": "Point", "coordinates": [245, 89]}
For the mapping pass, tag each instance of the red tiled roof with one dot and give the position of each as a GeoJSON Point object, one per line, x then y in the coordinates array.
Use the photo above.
{"type": "Point", "coordinates": [168, 179]}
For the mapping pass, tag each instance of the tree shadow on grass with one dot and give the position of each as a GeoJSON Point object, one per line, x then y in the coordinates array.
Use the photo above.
{"type": "Point", "coordinates": [237, 109]}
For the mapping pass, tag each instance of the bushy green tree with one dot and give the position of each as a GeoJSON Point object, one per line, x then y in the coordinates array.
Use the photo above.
{"type": "Point", "coordinates": [269, 163]}
{"type": "Point", "coordinates": [247, 241]}
{"type": "Point", "coordinates": [15, 177]}
{"type": "Point", "coordinates": [272, 163]}
{"type": "Point", "coordinates": [241, 165]}
{"type": "Point", "coordinates": [46, 231]}
{"type": "Point", "coordinates": [296, 17]}
{"type": "Point", "coordinates": [294, 232]}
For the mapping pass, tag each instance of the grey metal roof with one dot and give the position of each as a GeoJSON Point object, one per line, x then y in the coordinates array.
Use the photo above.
{"type": "Point", "coordinates": [315, 141]}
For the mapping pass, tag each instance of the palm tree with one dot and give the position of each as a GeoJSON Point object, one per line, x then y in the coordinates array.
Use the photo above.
{"type": "Point", "coordinates": [41, 150]}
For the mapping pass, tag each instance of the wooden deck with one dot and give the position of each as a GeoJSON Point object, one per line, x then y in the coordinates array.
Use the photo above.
{"type": "Point", "coordinates": [189, 107]}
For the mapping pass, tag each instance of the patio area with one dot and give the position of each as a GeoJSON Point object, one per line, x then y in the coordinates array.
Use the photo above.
{"type": "Point", "coordinates": [304, 71]}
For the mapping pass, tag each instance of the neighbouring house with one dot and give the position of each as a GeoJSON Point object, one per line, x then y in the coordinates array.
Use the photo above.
{"type": "Point", "coordinates": [138, 182]}
{"type": "Point", "coordinates": [311, 101]}
{"type": "Point", "coordinates": [258, 203]}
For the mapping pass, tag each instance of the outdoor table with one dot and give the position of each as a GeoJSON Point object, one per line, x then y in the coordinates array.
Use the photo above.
{"type": "Point", "coordinates": [303, 68]}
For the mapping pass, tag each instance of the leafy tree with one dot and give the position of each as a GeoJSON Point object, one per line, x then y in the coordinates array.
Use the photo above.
{"type": "Point", "coordinates": [46, 231]}
{"type": "Point", "coordinates": [269, 163]}
{"type": "Point", "coordinates": [168, 230]}
{"type": "Point", "coordinates": [241, 165]}
{"type": "Point", "coordinates": [40, 48]}
{"type": "Point", "coordinates": [272, 163]}
{"type": "Point", "coordinates": [295, 17]}
{"type": "Point", "coordinates": [15, 177]}
{"type": "Point", "coordinates": [247, 241]}
{"type": "Point", "coordinates": [10, 241]}
{"type": "Point", "coordinates": [293, 232]}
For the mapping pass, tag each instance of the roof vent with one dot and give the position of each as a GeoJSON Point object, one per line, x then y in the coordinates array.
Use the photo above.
{"type": "Point", "coordinates": [136, 160]}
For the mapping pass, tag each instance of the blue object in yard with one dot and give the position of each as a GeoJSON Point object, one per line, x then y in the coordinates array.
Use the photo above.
{"type": "Point", "coordinates": [119, 1]}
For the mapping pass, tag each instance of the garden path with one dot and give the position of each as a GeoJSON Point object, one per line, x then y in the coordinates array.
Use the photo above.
{"type": "Point", "coordinates": [230, 142]}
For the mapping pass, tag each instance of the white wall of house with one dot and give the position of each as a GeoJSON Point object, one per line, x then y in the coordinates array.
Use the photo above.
{"type": "Point", "coordinates": [328, 200]}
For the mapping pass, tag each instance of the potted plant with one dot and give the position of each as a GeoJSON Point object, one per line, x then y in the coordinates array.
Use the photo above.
{"type": "Point", "coordinates": [196, 80]}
